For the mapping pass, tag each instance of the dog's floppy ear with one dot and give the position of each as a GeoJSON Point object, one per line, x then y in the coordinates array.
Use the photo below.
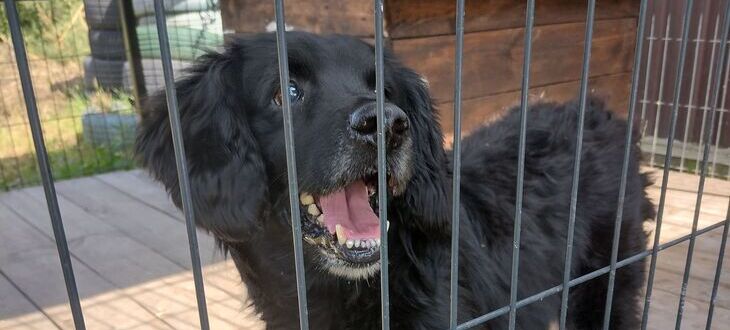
{"type": "Point", "coordinates": [426, 194]}
{"type": "Point", "coordinates": [227, 173]}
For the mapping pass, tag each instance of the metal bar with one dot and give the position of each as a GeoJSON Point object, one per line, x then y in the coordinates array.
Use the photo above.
{"type": "Point", "coordinates": [660, 98]}
{"type": "Point", "coordinates": [529, 22]}
{"type": "Point", "coordinates": [587, 43]}
{"type": "Point", "coordinates": [291, 165]}
{"type": "Point", "coordinates": [131, 46]}
{"type": "Point", "coordinates": [720, 120]}
{"type": "Point", "coordinates": [703, 170]}
{"type": "Point", "coordinates": [647, 74]}
{"type": "Point", "coordinates": [44, 165]}
{"type": "Point", "coordinates": [668, 155]}
{"type": "Point", "coordinates": [714, 43]}
{"type": "Point", "coordinates": [382, 170]}
{"type": "Point", "coordinates": [582, 279]}
{"type": "Point", "coordinates": [456, 180]}
{"type": "Point", "coordinates": [693, 82]}
{"type": "Point", "coordinates": [628, 143]}
{"type": "Point", "coordinates": [180, 161]}
{"type": "Point", "coordinates": [718, 269]}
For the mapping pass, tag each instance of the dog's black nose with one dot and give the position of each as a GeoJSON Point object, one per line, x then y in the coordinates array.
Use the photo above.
{"type": "Point", "coordinates": [363, 123]}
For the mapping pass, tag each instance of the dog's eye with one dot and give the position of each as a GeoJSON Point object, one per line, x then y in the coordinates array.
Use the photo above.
{"type": "Point", "coordinates": [295, 94]}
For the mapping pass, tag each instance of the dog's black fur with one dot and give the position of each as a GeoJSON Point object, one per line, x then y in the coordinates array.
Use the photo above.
{"type": "Point", "coordinates": [235, 150]}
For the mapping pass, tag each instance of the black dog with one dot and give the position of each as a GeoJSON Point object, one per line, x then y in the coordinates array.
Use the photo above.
{"type": "Point", "coordinates": [231, 114]}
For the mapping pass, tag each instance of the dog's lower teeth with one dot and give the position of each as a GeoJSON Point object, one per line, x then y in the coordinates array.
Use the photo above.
{"type": "Point", "coordinates": [350, 243]}
{"type": "Point", "coordinates": [341, 236]}
{"type": "Point", "coordinates": [357, 243]}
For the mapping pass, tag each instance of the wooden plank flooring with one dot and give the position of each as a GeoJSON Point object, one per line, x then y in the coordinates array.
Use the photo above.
{"type": "Point", "coordinates": [131, 260]}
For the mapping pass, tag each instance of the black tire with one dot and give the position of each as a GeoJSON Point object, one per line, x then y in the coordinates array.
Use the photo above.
{"type": "Point", "coordinates": [109, 74]}
{"type": "Point", "coordinates": [102, 14]}
{"type": "Point", "coordinates": [106, 44]}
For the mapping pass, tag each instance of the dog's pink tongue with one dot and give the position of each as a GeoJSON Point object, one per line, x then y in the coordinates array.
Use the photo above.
{"type": "Point", "coordinates": [350, 208]}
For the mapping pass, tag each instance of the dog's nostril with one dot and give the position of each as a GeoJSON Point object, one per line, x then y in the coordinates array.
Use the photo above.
{"type": "Point", "coordinates": [400, 125]}
{"type": "Point", "coordinates": [365, 125]}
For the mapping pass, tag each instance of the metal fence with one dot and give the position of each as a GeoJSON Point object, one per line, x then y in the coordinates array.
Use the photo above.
{"type": "Point", "coordinates": [89, 59]}
{"type": "Point", "coordinates": [660, 57]}
{"type": "Point", "coordinates": [710, 114]}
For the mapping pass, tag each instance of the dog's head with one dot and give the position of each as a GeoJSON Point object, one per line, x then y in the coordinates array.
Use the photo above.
{"type": "Point", "coordinates": [232, 121]}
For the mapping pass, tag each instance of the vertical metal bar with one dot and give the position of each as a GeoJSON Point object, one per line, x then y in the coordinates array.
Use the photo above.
{"type": "Point", "coordinates": [628, 143]}
{"type": "Point", "coordinates": [291, 165]}
{"type": "Point", "coordinates": [131, 46]}
{"type": "Point", "coordinates": [382, 171]}
{"type": "Point", "coordinates": [703, 170]}
{"type": "Point", "coordinates": [668, 156]}
{"type": "Point", "coordinates": [647, 74]}
{"type": "Point", "coordinates": [456, 179]}
{"type": "Point", "coordinates": [587, 43]}
{"type": "Point", "coordinates": [44, 165]}
{"type": "Point", "coordinates": [524, 96]}
{"type": "Point", "coordinates": [718, 269]}
{"type": "Point", "coordinates": [706, 107]}
{"type": "Point", "coordinates": [180, 162]}
{"type": "Point", "coordinates": [660, 98]}
{"type": "Point", "coordinates": [721, 108]}
{"type": "Point", "coordinates": [690, 105]}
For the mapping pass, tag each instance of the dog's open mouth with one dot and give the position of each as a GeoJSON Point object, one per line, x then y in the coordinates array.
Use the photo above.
{"type": "Point", "coordinates": [344, 224]}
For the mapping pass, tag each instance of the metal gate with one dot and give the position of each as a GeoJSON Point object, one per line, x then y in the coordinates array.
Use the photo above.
{"type": "Point", "coordinates": [708, 131]}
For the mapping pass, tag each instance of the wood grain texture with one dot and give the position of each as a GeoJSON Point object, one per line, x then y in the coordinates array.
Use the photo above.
{"type": "Point", "coordinates": [614, 89]}
{"type": "Point", "coordinates": [493, 60]}
{"type": "Point", "coordinates": [351, 17]}
{"type": "Point", "coordinates": [418, 18]}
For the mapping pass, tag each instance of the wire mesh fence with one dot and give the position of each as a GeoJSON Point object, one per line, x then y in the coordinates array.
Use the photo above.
{"type": "Point", "coordinates": [682, 116]}
{"type": "Point", "coordinates": [80, 65]}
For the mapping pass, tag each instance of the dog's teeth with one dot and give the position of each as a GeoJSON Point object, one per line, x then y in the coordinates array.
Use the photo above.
{"type": "Point", "coordinates": [371, 242]}
{"type": "Point", "coordinates": [350, 243]}
{"type": "Point", "coordinates": [357, 243]}
{"type": "Point", "coordinates": [341, 236]}
{"type": "Point", "coordinates": [377, 242]}
{"type": "Point", "coordinates": [306, 199]}
{"type": "Point", "coordinates": [313, 210]}
{"type": "Point", "coordinates": [320, 219]}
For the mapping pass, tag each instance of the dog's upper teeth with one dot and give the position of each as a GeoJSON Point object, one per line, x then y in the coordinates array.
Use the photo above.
{"type": "Point", "coordinates": [313, 210]}
{"type": "Point", "coordinates": [341, 236]}
{"type": "Point", "coordinates": [350, 243]}
{"type": "Point", "coordinates": [306, 199]}
{"type": "Point", "coordinates": [320, 219]}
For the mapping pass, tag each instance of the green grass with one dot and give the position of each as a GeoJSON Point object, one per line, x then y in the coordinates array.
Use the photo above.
{"type": "Point", "coordinates": [70, 153]}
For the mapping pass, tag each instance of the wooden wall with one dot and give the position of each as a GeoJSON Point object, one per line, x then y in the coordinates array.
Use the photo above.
{"type": "Point", "coordinates": [421, 33]}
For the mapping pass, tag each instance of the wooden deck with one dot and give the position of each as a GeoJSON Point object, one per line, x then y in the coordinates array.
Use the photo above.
{"type": "Point", "coordinates": [130, 256]}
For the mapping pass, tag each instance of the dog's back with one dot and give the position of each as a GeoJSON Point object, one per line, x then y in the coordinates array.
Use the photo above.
{"type": "Point", "coordinates": [489, 180]}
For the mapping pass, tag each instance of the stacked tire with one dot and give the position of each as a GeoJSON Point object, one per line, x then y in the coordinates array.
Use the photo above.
{"type": "Point", "coordinates": [105, 67]}
{"type": "Point", "coordinates": [193, 27]}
